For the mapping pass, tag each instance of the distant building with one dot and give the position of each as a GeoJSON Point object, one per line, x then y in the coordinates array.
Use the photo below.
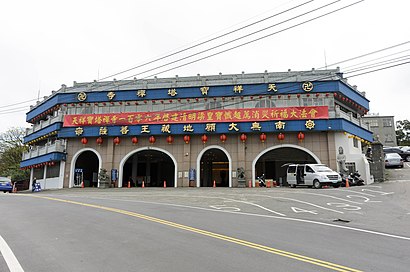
{"type": "Point", "coordinates": [383, 129]}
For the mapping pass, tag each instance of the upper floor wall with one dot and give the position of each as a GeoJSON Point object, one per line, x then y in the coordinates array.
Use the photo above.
{"type": "Point", "coordinates": [244, 85]}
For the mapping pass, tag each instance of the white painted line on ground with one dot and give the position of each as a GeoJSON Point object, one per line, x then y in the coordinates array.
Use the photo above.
{"type": "Point", "coordinates": [178, 205]}
{"type": "Point", "coordinates": [357, 192]}
{"type": "Point", "coordinates": [259, 206]}
{"type": "Point", "coordinates": [377, 186]}
{"type": "Point", "coordinates": [9, 257]}
{"type": "Point", "coordinates": [329, 196]}
{"type": "Point", "coordinates": [304, 202]}
{"type": "Point", "coordinates": [275, 217]}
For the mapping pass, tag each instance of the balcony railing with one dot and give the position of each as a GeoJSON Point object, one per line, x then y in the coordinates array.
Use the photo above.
{"type": "Point", "coordinates": [43, 124]}
{"type": "Point", "coordinates": [36, 151]}
{"type": "Point", "coordinates": [349, 116]}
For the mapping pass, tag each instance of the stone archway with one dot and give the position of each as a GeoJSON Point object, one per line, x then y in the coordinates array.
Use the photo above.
{"type": "Point", "coordinates": [149, 164]}
{"type": "Point", "coordinates": [214, 164]}
{"type": "Point", "coordinates": [89, 160]}
{"type": "Point", "coordinates": [271, 161]}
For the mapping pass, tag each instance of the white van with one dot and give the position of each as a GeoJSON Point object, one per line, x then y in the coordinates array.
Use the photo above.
{"type": "Point", "coordinates": [315, 175]}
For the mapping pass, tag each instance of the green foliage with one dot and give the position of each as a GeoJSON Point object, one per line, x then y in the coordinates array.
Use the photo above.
{"type": "Point", "coordinates": [11, 151]}
{"type": "Point", "coordinates": [403, 132]}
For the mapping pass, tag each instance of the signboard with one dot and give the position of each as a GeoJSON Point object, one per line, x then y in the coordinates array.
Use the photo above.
{"type": "Point", "coordinates": [197, 116]}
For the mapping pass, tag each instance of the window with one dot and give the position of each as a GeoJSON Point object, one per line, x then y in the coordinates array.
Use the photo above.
{"type": "Point", "coordinates": [372, 122]}
{"type": "Point", "coordinates": [38, 173]}
{"type": "Point", "coordinates": [213, 105]}
{"type": "Point", "coordinates": [292, 169]}
{"type": "Point", "coordinates": [309, 169]}
{"type": "Point", "coordinates": [355, 143]}
{"type": "Point", "coordinates": [387, 122]}
{"type": "Point", "coordinates": [53, 171]}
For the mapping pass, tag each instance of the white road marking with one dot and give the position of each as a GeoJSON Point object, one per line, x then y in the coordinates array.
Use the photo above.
{"type": "Point", "coordinates": [223, 198]}
{"type": "Point", "coordinates": [377, 186]}
{"type": "Point", "coordinates": [357, 192]}
{"type": "Point", "coordinates": [307, 203]}
{"type": "Point", "coordinates": [277, 217]}
{"type": "Point", "coordinates": [9, 257]}
{"type": "Point", "coordinates": [329, 196]}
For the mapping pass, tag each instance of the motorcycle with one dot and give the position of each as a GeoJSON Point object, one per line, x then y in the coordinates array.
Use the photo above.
{"type": "Point", "coordinates": [353, 179]}
{"type": "Point", "coordinates": [356, 180]}
{"type": "Point", "coordinates": [261, 180]}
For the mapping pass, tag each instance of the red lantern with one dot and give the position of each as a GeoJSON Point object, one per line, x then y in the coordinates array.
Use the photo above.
{"type": "Point", "coordinates": [262, 137]}
{"type": "Point", "coordinates": [204, 138]}
{"type": "Point", "coordinates": [84, 141]}
{"type": "Point", "coordinates": [223, 138]}
{"type": "Point", "coordinates": [187, 138]}
{"type": "Point", "coordinates": [152, 139]}
{"type": "Point", "coordinates": [281, 136]}
{"type": "Point", "coordinates": [301, 136]}
{"type": "Point", "coordinates": [243, 137]}
{"type": "Point", "coordinates": [100, 140]}
{"type": "Point", "coordinates": [134, 140]}
{"type": "Point", "coordinates": [170, 139]}
{"type": "Point", "coordinates": [116, 140]}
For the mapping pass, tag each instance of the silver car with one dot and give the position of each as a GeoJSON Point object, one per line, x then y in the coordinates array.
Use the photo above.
{"type": "Point", "coordinates": [393, 160]}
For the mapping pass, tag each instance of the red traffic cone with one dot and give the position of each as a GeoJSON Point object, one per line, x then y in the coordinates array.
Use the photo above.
{"type": "Point", "coordinates": [347, 183]}
{"type": "Point", "coordinates": [214, 184]}
{"type": "Point", "coordinates": [165, 184]}
{"type": "Point", "coordinates": [129, 184]}
{"type": "Point", "coordinates": [250, 183]}
{"type": "Point", "coordinates": [143, 184]}
{"type": "Point", "coordinates": [82, 184]}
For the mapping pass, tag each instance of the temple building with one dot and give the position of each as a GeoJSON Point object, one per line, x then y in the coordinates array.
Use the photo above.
{"type": "Point", "coordinates": [196, 131]}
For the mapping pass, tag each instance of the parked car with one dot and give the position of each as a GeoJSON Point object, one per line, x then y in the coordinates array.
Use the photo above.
{"type": "Point", "coordinates": [6, 185]}
{"type": "Point", "coordinates": [393, 160]}
{"type": "Point", "coordinates": [404, 154]}
{"type": "Point", "coordinates": [315, 175]}
{"type": "Point", "coordinates": [405, 148]}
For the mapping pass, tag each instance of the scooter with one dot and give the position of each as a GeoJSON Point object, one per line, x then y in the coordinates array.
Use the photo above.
{"type": "Point", "coordinates": [353, 179]}
{"type": "Point", "coordinates": [261, 181]}
{"type": "Point", "coordinates": [356, 180]}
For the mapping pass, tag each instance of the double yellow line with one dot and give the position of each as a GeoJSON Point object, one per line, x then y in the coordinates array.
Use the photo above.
{"type": "Point", "coordinates": [271, 250]}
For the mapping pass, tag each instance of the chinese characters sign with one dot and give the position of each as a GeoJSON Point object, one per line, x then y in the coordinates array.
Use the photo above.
{"type": "Point", "coordinates": [197, 116]}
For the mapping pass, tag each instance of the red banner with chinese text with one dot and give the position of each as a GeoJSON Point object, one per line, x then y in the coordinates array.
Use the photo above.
{"type": "Point", "coordinates": [197, 116]}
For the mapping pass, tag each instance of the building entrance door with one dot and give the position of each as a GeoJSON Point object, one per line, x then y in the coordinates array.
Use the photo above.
{"type": "Point", "coordinates": [214, 168]}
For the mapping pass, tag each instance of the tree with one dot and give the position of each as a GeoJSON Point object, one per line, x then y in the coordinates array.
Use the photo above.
{"type": "Point", "coordinates": [403, 132]}
{"type": "Point", "coordinates": [11, 151]}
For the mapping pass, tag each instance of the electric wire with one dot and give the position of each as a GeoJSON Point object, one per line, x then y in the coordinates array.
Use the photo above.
{"type": "Point", "coordinates": [358, 56]}
{"type": "Point", "coordinates": [240, 38]}
{"type": "Point", "coordinates": [207, 41]}
{"type": "Point", "coordinates": [349, 60]}
{"type": "Point", "coordinates": [218, 53]}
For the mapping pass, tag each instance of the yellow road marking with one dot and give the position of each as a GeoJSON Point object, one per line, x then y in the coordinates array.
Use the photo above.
{"type": "Point", "coordinates": [287, 254]}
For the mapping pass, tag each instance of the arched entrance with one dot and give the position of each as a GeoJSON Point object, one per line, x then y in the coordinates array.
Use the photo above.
{"type": "Point", "coordinates": [148, 165]}
{"type": "Point", "coordinates": [271, 161]}
{"type": "Point", "coordinates": [85, 169]}
{"type": "Point", "coordinates": [214, 164]}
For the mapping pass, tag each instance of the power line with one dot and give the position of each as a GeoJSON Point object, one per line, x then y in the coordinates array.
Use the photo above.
{"type": "Point", "coordinates": [249, 42]}
{"type": "Point", "coordinates": [237, 39]}
{"type": "Point", "coordinates": [207, 41]}
{"type": "Point", "coordinates": [375, 70]}
{"type": "Point", "coordinates": [229, 48]}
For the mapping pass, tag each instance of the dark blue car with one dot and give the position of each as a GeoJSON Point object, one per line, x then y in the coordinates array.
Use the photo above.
{"type": "Point", "coordinates": [5, 185]}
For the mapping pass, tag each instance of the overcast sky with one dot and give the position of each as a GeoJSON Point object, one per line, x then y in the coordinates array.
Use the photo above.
{"type": "Point", "coordinates": [44, 44]}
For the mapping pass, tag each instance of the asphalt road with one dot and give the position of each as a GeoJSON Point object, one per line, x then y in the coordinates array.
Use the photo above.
{"type": "Point", "coordinates": [211, 229]}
